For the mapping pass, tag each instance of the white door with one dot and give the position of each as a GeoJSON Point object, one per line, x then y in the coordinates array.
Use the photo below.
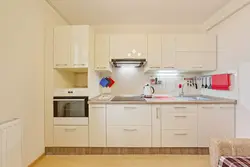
{"type": "Point", "coordinates": [154, 52]}
{"type": "Point", "coordinates": [128, 46]}
{"type": "Point", "coordinates": [168, 51]}
{"type": "Point", "coordinates": [62, 40]}
{"type": "Point", "coordinates": [102, 52]}
{"type": "Point", "coordinates": [79, 46]}
{"type": "Point", "coordinates": [97, 126]}
{"type": "Point", "coordinates": [215, 121]}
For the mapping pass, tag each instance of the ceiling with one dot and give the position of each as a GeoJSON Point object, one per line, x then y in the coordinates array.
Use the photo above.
{"type": "Point", "coordinates": [105, 12]}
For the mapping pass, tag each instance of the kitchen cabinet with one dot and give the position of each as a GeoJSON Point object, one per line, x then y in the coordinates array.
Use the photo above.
{"type": "Point", "coordinates": [129, 136]}
{"type": "Point", "coordinates": [156, 125]}
{"type": "Point", "coordinates": [71, 46]}
{"type": "Point", "coordinates": [154, 60]}
{"type": "Point", "coordinates": [97, 126]}
{"type": "Point", "coordinates": [124, 46]}
{"type": "Point", "coordinates": [196, 52]}
{"type": "Point", "coordinates": [129, 114]}
{"type": "Point", "coordinates": [179, 125]}
{"type": "Point", "coordinates": [168, 51]}
{"type": "Point", "coordinates": [215, 121]}
{"type": "Point", "coordinates": [102, 53]}
{"type": "Point", "coordinates": [71, 136]}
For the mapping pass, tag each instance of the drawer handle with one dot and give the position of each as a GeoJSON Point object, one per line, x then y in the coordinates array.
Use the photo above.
{"type": "Point", "coordinates": [97, 107]}
{"type": "Point", "coordinates": [198, 66]}
{"type": "Point", "coordinates": [130, 130]}
{"type": "Point", "coordinates": [227, 107]}
{"type": "Point", "coordinates": [207, 107]}
{"type": "Point", "coordinates": [130, 107]}
{"type": "Point", "coordinates": [61, 64]}
{"type": "Point", "coordinates": [180, 116]}
{"type": "Point", "coordinates": [70, 130]}
{"type": "Point", "coordinates": [102, 67]}
{"type": "Point", "coordinates": [180, 134]}
{"type": "Point", "coordinates": [180, 107]}
{"type": "Point", "coordinates": [155, 67]}
{"type": "Point", "coordinates": [168, 67]}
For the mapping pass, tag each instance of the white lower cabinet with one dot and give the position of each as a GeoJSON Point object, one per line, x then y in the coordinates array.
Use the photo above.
{"type": "Point", "coordinates": [97, 126]}
{"type": "Point", "coordinates": [71, 136]}
{"type": "Point", "coordinates": [179, 138]}
{"type": "Point", "coordinates": [129, 136]}
{"type": "Point", "coordinates": [215, 121]}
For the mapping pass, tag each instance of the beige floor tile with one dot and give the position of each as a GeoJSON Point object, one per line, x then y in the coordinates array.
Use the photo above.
{"type": "Point", "coordinates": [125, 161]}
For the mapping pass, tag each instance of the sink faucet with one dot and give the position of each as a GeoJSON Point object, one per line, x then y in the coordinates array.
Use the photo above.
{"type": "Point", "coordinates": [181, 86]}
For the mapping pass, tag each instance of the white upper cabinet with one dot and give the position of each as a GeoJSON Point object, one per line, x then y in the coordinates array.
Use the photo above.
{"type": "Point", "coordinates": [102, 56]}
{"type": "Point", "coordinates": [62, 47]}
{"type": "Point", "coordinates": [195, 43]}
{"type": "Point", "coordinates": [154, 52]}
{"type": "Point", "coordinates": [80, 46]}
{"type": "Point", "coordinates": [71, 47]}
{"type": "Point", "coordinates": [168, 51]}
{"type": "Point", "coordinates": [124, 46]}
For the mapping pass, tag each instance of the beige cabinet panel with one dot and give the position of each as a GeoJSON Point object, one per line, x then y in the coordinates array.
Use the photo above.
{"type": "Point", "coordinates": [154, 52]}
{"type": "Point", "coordinates": [215, 121]}
{"type": "Point", "coordinates": [123, 46]}
{"type": "Point", "coordinates": [168, 52]}
{"type": "Point", "coordinates": [97, 126]}
{"type": "Point", "coordinates": [156, 125]}
{"type": "Point", "coordinates": [102, 54]}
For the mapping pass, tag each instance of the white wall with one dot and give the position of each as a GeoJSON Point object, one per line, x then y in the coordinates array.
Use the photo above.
{"type": "Point", "coordinates": [22, 69]}
{"type": "Point", "coordinates": [233, 50]}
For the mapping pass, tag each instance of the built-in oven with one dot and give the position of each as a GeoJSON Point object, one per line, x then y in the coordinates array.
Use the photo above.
{"type": "Point", "coordinates": [71, 110]}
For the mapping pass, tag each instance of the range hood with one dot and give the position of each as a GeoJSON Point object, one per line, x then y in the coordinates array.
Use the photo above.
{"type": "Point", "coordinates": [131, 62]}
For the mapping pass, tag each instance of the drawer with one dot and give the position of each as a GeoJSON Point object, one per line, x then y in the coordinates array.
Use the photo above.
{"type": "Point", "coordinates": [71, 136]}
{"type": "Point", "coordinates": [179, 138]}
{"type": "Point", "coordinates": [131, 115]}
{"type": "Point", "coordinates": [179, 120]}
{"type": "Point", "coordinates": [179, 108]}
{"type": "Point", "coordinates": [129, 136]}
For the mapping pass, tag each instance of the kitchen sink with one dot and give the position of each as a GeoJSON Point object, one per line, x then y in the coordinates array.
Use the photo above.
{"type": "Point", "coordinates": [192, 98]}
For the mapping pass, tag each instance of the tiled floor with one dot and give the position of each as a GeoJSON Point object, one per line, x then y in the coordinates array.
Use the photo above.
{"type": "Point", "coordinates": [125, 161]}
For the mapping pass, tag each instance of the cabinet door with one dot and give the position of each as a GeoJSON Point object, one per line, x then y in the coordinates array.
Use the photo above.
{"type": "Point", "coordinates": [215, 121]}
{"type": "Point", "coordinates": [156, 126]}
{"type": "Point", "coordinates": [196, 61]}
{"type": "Point", "coordinates": [154, 52]}
{"type": "Point", "coordinates": [79, 46]}
{"type": "Point", "coordinates": [62, 36]}
{"type": "Point", "coordinates": [129, 136]}
{"type": "Point", "coordinates": [71, 136]}
{"type": "Point", "coordinates": [97, 126]}
{"type": "Point", "coordinates": [102, 52]}
{"type": "Point", "coordinates": [128, 46]}
{"type": "Point", "coordinates": [196, 43]}
{"type": "Point", "coordinates": [168, 51]}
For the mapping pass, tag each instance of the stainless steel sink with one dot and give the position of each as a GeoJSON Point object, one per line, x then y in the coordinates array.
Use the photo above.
{"type": "Point", "coordinates": [128, 98]}
{"type": "Point", "coordinates": [193, 98]}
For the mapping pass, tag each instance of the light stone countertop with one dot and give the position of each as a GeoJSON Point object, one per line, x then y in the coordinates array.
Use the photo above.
{"type": "Point", "coordinates": [170, 100]}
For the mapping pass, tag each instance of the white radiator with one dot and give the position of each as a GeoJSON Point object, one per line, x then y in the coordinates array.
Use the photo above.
{"type": "Point", "coordinates": [11, 143]}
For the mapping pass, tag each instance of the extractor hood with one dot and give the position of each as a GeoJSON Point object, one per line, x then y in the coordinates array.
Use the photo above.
{"type": "Point", "coordinates": [128, 62]}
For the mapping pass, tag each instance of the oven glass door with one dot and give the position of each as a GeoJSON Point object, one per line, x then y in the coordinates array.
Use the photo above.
{"type": "Point", "coordinates": [70, 107]}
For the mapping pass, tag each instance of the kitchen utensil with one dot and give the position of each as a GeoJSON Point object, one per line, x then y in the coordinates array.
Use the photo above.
{"type": "Point", "coordinates": [202, 86]}
{"type": "Point", "coordinates": [195, 83]}
{"type": "Point", "coordinates": [206, 86]}
{"type": "Point", "coordinates": [210, 83]}
{"type": "Point", "coordinates": [148, 91]}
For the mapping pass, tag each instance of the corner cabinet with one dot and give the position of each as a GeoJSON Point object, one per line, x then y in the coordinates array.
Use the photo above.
{"type": "Point", "coordinates": [124, 46]}
{"type": "Point", "coordinates": [71, 46]}
{"type": "Point", "coordinates": [102, 53]}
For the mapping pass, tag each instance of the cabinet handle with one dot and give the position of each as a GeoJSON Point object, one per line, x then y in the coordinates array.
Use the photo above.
{"type": "Point", "coordinates": [97, 107]}
{"type": "Point", "coordinates": [168, 67]}
{"type": "Point", "coordinates": [70, 130]}
{"type": "Point", "coordinates": [180, 134]}
{"type": "Point", "coordinates": [226, 107]}
{"type": "Point", "coordinates": [180, 116]}
{"type": "Point", "coordinates": [79, 64]}
{"type": "Point", "coordinates": [207, 107]}
{"type": "Point", "coordinates": [101, 67]}
{"type": "Point", "coordinates": [61, 64]}
{"type": "Point", "coordinates": [130, 130]}
{"type": "Point", "coordinates": [157, 113]}
{"type": "Point", "coordinates": [155, 67]}
{"type": "Point", "coordinates": [130, 107]}
{"type": "Point", "coordinates": [180, 107]}
{"type": "Point", "coordinates": [198, 66]}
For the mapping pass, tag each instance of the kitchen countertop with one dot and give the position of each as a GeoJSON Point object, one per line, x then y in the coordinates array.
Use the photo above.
{"type": "Point", "coordinates": [170, 100]}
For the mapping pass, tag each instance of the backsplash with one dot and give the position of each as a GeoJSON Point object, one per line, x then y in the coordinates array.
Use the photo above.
{"type": "Point", "coordinates": [130, 81]}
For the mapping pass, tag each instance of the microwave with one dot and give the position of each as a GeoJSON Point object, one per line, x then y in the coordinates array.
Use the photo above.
{"type": "Point", "coordinates": [71, 110]}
